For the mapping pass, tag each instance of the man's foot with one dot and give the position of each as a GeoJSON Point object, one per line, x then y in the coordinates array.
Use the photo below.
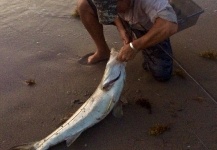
{"type": "Point", "coordinates": [93, 58]}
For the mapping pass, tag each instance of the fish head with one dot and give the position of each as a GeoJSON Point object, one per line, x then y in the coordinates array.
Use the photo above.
{"type": "Point", "coordinates": [114, 71]}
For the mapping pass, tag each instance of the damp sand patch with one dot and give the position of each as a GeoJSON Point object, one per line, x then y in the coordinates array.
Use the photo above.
{"type": "Point", "coordinates": [145, 104]}
{"type": "Point", "coordinates": [30, 82]}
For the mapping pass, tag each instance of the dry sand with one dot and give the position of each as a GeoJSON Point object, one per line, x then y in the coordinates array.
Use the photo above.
{"type": "Point", "coordinates": [40, 41]}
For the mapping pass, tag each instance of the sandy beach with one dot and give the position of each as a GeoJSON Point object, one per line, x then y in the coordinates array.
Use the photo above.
{"type": "Point", "coordinates": [41, 41]}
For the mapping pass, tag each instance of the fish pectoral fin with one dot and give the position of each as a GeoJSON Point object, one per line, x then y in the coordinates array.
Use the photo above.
{"type": "Point", "coordinates": [110, 80]}
{"type": "Point", "coordinates": [71, 139]}
{"type": "Point", "coordinates": [118, 110]}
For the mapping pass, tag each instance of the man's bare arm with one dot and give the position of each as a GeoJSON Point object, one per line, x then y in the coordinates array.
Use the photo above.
{"type": "Point", "coordinates": [123, 33]}
{"type": "Point", "coordinates": [161, 30]}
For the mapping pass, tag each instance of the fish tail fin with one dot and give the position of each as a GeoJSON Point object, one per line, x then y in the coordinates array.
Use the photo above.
{"type": "Point", "coordinates": [28, 146]}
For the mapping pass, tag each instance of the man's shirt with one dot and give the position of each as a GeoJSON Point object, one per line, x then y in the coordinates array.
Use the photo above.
{"type": "Point", "coordinates": [143, 13]}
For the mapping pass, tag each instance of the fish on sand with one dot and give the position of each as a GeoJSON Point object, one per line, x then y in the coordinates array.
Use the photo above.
{"type": "Point", "coordinates": [95, 109]}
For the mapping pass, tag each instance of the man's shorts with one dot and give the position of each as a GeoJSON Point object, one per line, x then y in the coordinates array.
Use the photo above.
{"type": "Point", "coordinates": [105, 10]}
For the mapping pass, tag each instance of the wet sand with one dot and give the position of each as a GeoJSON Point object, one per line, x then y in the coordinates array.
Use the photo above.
{"type": "Point", "coordinates": [41, 41]}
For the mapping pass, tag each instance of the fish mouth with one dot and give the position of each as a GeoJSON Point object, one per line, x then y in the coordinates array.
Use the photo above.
{"type": "Point", "coordinates": [107, 86]}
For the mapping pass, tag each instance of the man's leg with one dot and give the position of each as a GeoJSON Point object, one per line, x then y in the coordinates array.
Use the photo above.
{"type": "Point", "coordinates": [90, 20]}
{"type": "Point", "coordinates": [158, 60]}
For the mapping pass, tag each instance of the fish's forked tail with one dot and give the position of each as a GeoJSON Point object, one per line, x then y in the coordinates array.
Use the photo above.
{"type": "Point", "coordinates": [28, 146]}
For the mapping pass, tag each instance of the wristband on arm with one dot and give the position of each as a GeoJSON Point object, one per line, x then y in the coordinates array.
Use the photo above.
{"type": "Point", "coordinates": [133, 48]}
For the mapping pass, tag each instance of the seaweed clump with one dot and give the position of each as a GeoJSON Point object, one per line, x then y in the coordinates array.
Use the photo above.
{"type": "Point", "coordinates": [158, 129]}
{"type": "Point", "coordinates": [75, 13]}
{"type": "Point", "coordinates": [209, 55]}
{"type": "Point", "coordinates": [199, 99]}
{"type": "Point", "coordinates": [180, 73]}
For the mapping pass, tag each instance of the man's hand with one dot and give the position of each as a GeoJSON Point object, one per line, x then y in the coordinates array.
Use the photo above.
{"type": "Point", "coordinates": [126, 53]}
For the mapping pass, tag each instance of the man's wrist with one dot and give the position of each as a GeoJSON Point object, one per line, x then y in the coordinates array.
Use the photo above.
{"type": "Point", "coordinates": [133, 48]}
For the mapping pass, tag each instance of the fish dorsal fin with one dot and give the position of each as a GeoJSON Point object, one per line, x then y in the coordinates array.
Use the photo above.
{"type": "Point", "coordinates": [71, 139]}
{"type": "Point", "coordinates": [113, 52]}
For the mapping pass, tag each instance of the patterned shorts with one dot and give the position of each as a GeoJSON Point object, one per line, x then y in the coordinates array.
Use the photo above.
{"type": "Point", "coordinates": [105, 10]}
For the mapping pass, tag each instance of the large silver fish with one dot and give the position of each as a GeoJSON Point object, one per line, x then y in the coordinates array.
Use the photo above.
{"type": "Point", "coordinates": [96, 108]}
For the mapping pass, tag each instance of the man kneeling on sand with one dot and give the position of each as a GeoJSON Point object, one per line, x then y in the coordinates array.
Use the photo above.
{"type": "Point", "coordinates": [150, 22]}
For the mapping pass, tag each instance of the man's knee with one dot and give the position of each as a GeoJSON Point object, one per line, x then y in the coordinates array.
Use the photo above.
{"type": "Point", "coordinates": [160, 64]}
{"type": "Point", "coordinates": [162, 67]}
{"type": "Point", "coordinates": [83, 7]}
{"type": "Point", "coordinates": [162, 74]}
